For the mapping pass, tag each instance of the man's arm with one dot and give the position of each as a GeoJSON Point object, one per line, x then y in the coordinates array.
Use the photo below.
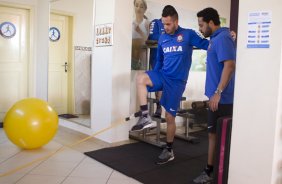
{"type": "Point", "coordinates": [160, 58]}
{"type": "Point", "coordinates": [227, 73]}
{"type": "Point", "coordinates": [197, 41]}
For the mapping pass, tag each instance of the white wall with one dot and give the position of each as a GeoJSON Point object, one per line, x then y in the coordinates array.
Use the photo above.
{"type": "Point", "coordinates": [82, 11]}
{"type": "Point", "coordinates": [277, 155]}
{"type": "Point", "coordinates": [222, 6]}
{"type": "Point", "coordinates": [101, 105]}
{"type": "Point", "coordinates": [277, 161]}
{"type": "Point", "coordinates": [111, 71]}
{"type": "Point", "coordinates": [42, 49]}
{"type": "Point", "coordinates": [256, 139]}
{"type": "Point", "coordinates": [121, 68]}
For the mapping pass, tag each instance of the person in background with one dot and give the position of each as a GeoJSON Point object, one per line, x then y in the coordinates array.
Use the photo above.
{"type": "Point", "coordinates": [140, 33]}
{"type": "Point", "coordinates": [156, 30]}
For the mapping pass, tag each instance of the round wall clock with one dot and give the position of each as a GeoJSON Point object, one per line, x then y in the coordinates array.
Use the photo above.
{"type": "Point", "coordinates": [54, 34]}
{"type": "Point", "coordinates": [7, 30]}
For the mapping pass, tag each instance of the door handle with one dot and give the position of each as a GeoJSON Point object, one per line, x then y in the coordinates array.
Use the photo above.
{"type": "Point", "coordinates": [66, 66]}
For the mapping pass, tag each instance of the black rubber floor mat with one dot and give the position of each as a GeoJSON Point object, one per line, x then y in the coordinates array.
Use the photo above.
{"type": "Point", "coordinates": [68, 116]}
{"type": "Point", "coordinates": [137, 160]}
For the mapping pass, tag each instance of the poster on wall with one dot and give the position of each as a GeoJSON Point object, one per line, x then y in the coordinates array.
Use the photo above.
{"type": "Point", "coordinates": [144, 13]}
{"type": "Point", "coordinates": [104, 35]}
{"type": "Point", "coordinates": [259, 24]}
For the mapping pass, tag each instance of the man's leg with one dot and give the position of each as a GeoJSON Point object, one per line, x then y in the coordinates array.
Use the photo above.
{"type": "Point", "coordinates": [167, 153]}
{"type": "Point", "coordinates": [171, 127]}
{"type": "Point", "coordinates": [206, 175]}
{"type": "Point", "coordinates": [142, 81]}
{"type": "Point", "coordinates": [211, 151]}
{"type": "Point", "coordinates": [158, 112]}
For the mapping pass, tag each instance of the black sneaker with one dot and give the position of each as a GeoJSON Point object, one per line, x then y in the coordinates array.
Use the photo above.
{"type": "Point", "coordinates": [165, 157]}
{"type": "Point", "coordinates": [142, 123]}
{"type": "Point", "coordinates": [158, 113]}
{"type": "Point", "coordinates": [203, 178]}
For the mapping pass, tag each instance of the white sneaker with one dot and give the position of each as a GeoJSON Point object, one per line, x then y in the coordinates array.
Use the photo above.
{"type": "Point", "coordinates": [142, 123]}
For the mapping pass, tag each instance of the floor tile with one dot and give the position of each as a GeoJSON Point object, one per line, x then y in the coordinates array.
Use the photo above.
{"type": "Point", "coordinates": [55, 168]}
{"type": "Point", "coordinates": [80, 180]}
{"type": "Point", "coordinates": [68, 165]}
{"type": "Point", "coordinates": [40, 179]}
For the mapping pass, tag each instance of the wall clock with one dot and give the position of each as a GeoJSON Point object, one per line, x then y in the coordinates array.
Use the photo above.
{"type": "Point", "coordinates": [54, 34]}
{"type": "Point", "coordinates": [7, 30]}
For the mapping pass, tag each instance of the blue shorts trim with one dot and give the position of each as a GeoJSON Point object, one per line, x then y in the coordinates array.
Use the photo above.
{"type": "Point", "coordinates": [172, 90]}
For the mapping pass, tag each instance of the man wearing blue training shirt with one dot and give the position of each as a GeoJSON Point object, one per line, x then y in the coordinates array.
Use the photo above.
{"type": "Point", "coordinates": [156, 30]}
{"type": "Point", "coordinates": [170, 75]}
{"type": "Point", "coordinates": [219, 86]}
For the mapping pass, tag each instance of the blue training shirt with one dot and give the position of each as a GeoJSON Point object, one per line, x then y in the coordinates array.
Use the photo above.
{"type": "Point", "coordinates": [174, 55]}
{"type": "Point", "coordinates": [156, 30]}
{"type": "Point", "coordinates": [221, 48]}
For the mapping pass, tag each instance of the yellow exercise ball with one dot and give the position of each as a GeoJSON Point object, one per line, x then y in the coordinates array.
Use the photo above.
{"type": "Point", "coordinates": [30, 123]}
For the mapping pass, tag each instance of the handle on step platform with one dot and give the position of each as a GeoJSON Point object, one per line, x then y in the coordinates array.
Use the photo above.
{"type": "Point", "coordinates": [136, 114]}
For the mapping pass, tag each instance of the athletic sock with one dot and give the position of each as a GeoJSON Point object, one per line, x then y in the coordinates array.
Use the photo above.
{"type": "Point", "coordinates": [144, 109]}
{"type": "Point", "coordinates": [158, 104]}
{"type": "Point", "coordinates": [209, 169]}
{"type": "Point", "coordinates": [169, 146]}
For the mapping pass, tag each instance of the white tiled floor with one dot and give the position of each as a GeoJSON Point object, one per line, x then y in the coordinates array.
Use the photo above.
{"type": "Point", "coordinates": [68, 166]}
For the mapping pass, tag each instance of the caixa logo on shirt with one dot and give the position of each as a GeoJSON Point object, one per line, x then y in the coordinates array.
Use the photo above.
{"type": "Point", "coordinates": [173, 49]}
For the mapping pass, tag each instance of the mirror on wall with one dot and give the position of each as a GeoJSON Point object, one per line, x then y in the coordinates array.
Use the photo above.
{"type": "Point", "coordinates": [70, 49]}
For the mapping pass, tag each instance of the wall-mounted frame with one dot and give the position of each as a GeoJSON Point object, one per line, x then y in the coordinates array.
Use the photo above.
{"type": "Point", "coordinates": [104, 35]}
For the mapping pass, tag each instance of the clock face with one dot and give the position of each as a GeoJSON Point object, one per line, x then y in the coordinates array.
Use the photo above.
{"type": "Point", "coordinates": [54, 34]}
{"type": "Point", "coordinates": [7, 30]}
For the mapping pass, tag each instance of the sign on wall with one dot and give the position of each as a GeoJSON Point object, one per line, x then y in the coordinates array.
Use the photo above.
{"type": "Point", "coordinates": [259, 24]}
{"type": "Point", "coordinates": [104, 35]}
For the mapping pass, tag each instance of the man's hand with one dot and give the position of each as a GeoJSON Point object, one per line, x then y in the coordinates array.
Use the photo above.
{"type": "Point", "coordinates": [213, 103]}
{"type": "Point", "coordinates": [233, 35]}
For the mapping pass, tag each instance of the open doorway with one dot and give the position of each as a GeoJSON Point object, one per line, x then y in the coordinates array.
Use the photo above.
{"type": "Point", "coordinates": [70, 48]}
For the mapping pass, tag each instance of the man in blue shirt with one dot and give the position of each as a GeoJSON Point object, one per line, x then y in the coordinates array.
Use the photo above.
{"type": "Point", "coordinates": [219, 86]}
{"type": "Point", "coordinates": [170, 75]}
{"type": "Point", "coordinates": [156, 30]}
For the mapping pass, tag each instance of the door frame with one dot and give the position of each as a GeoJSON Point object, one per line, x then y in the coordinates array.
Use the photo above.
{"type": "Point", "coordinates": [71, 17]}
{"type": "Point", "coordinates": [234, 15]}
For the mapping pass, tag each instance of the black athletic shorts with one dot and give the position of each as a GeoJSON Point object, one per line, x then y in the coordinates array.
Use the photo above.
{"type": "Point", "coordinates": [223, 110]}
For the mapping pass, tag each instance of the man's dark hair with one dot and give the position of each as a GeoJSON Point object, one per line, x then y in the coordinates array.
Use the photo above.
{"type": "Point", "coordinates": [170, 11]}
{"type": "Point", "coordinates": [209, 14]}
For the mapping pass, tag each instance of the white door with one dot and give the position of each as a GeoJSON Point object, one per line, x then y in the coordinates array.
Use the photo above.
{"type": "Point", "coordinates": [59, 65]}
{"type": "Point", "coordinates": [14, 57]}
